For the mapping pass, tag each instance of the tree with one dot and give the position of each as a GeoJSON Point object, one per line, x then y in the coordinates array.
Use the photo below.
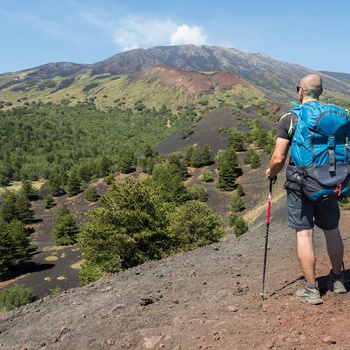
{"type": "Point", "coordinates": [24, 209]}
{"type": "Point", "coordinates": [126, 160]}
{"type": "Point", "coordinates": [169, 178]}
{"type": "Point", "coordinates": [9, 210]}
{"type": "Point", "coordinates": [240, 190]}
{"type": "Point", "coordinates": [65, 228]}
{"type": "Point", "coordinates": [188, 155]}
{"type": "Point", "coordinates": [237, 203]}
{"type": "Point", "coordinates": [227, 162]}
{"type": "Point", "coordinates": [240, 226]}
{"type": "Point", "coordinates": [27, 188]}
{"type": "Point", "coordinates": [55, 184]}
{"type": "Point", "coordinates": [194, 224]}
{"type": "Point", "coordinates": [206, 155]}
{"type": "Point", "coordinates": [255, 161]}
{"type": "Point", "coordinates": [74, 184]}
{"type": "Point", "coordinates": [247, 159]}
{"type": "Point", "coordinates": [196, 158]}
{"type": "Point", "coordinates": [236, 139]}
{"type": "Point", "coordinates": [104, 166]}
{"type": "Point", "coordinates": [91, 194]}
{"type": "Point", "coordinates": [14, 245]}
{"type": "Point", "coordinates": [49, 202]}
{"type": "Point", "coordinates": [127, 229]}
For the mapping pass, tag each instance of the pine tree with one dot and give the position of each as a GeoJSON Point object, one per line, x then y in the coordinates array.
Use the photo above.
{"type": "Point", "coordinates": [188, 156]}
{"type": "Point", "coordinates": [24, 208]}
{"type": "Point", "coordinates": [65, 228]}
{"type": "Point", "coordinates": [237, 203]}
{"type": "Point", "coordinates": [9, 210]}
{"type": "Point", "coordinates": [27, 188]}
{"type": "Point", "coordinates": [91, 194]}
{"type": "Point", "coordinates": [55, 184]}
{"type": "Point", "coordinates": [126, 160]}
{"type": "Point", "coordinates": [240, 190]}
{"type": "Point", "coordinates": [196, 158]}
{"type": "Point", "coordinates": [49, 202]}
{"type": "Point", "coordinates": [240, 226]}
{"type": "Point", "coordinates": [247, 159]}
{"type": "Point", "coordinates": [227, 162]}
{"type": "Point", "coordinates": [206, 155]}
{"type": "Point", "coordinates": [74, 184]}
{"type": "Point", "coordinates": [236, 139]}
{"type": "Point", "coordinates": [255, 161]}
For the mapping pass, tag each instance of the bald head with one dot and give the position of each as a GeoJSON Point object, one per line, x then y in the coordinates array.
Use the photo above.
{"type": "Point", "coordinates": [311, 87]}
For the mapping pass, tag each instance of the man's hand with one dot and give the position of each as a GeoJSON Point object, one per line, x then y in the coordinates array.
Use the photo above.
{"type": "Point", "coordinates": [273, 179]}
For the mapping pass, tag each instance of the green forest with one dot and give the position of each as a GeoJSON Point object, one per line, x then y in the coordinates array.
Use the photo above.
{"type": "Point", "coordinates": [43, 140]}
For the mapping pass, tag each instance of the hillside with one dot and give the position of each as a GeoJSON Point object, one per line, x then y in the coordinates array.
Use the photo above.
{"type": "Point", "coordinates": [177, 76]}
{"type": "Point", "coordinates": [203, 299]}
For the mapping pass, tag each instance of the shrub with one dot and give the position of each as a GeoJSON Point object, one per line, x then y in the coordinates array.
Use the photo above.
{"type": "Point", "coordinates": [91, 194]}
{"type": "Point", "coordinates": [18, 295]}
{"type": "Point", "coordinates": [193, 225]}
{"type": "Point", "coordinates": [240, 190]}
{"type": "Point", "coordinates": [232, 219]}
{"type": "Point", "coordinates": [237, 203]}
{"type": "Point", "coordinates": [206, 176]}
{"type": "Point", "coordinates": [240, 226]}
{"type": "Point", "coordinates": [197, 192]}
{"type": "Point", "coordinates": [49, 202]}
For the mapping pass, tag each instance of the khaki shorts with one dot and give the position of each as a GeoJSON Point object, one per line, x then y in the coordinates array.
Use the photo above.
{"type": "Point", "coordinates": [303, 214]}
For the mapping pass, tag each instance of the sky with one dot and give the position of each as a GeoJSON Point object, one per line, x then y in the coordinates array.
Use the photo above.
{"type": "Point", "coordinates": [313, 34]}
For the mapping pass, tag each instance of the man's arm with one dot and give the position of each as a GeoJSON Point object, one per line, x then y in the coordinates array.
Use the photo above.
{"type": "Point", "coordinates": [278, 158]}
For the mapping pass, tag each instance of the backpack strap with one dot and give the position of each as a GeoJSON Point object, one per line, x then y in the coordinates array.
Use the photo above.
{"type": "Point", "coordinates": [330, 146]}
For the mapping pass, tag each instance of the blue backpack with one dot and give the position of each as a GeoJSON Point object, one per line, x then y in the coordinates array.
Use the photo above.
{"type": "Point", "coordinates": [319, 151]}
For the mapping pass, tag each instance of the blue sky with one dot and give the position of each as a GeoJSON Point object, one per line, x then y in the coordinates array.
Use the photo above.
{"type": "Point", "coordinates": [310, 33]}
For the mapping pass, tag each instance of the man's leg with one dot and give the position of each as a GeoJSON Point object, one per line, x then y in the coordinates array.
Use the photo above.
{"type": "Point", "coordinates": [306, 254]}
{"type": "Point", "coordinates": [305, 250]}
{"type": "Point", "coordinates": [335, 249]}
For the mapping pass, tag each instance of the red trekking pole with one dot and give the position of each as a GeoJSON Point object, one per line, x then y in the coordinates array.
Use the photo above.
{"type": "Point", "coordinates": [268, 217]}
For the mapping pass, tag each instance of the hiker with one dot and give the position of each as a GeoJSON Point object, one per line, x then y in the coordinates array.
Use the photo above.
{"type": "Point", "coordinates": [304, 213]}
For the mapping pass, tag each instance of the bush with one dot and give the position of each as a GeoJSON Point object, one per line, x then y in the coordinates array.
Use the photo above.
{"type": "Point", "coordinates": [91, 194]}
{"type": "Point", "coordinates": [193, 225]}
{"type": "Point", "coordinates": [237, 203]}
{"type": "Point", "coordinates": [240, 190]}
{"type": "Point", "coordinates": [240, 226]}
{"type": "Point", "coordinates": [207, 176]}
{"type": "Point", "coordinates": [197, 192]}
{"type": "Point", "coordinates": [49, 202]}
{"type": "Point", "coordinates": [232, 219]}
{"type": "Point", "coordinates": [16, 296]}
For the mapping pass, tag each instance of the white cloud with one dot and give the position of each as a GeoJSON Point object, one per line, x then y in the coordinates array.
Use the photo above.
{"type": "Point", "coordinates": [188, 35]}
{"type": "Point", "coordinates": [133, 33]}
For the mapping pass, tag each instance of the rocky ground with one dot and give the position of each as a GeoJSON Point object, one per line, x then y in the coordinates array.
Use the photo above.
{"type": "Point", "coordinates": [204, 299]}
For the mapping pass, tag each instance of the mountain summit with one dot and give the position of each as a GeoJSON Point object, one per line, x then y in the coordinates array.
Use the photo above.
{"type": "Point", "coordinates": [114, 78]}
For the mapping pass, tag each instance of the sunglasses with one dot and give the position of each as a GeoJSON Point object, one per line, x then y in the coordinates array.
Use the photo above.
{"type": "Point", "coordinates": [299, 88]}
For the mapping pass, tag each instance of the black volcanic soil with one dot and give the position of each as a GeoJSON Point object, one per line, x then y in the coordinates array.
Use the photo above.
{"type": "Point", "coordinates": [203, 299]}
